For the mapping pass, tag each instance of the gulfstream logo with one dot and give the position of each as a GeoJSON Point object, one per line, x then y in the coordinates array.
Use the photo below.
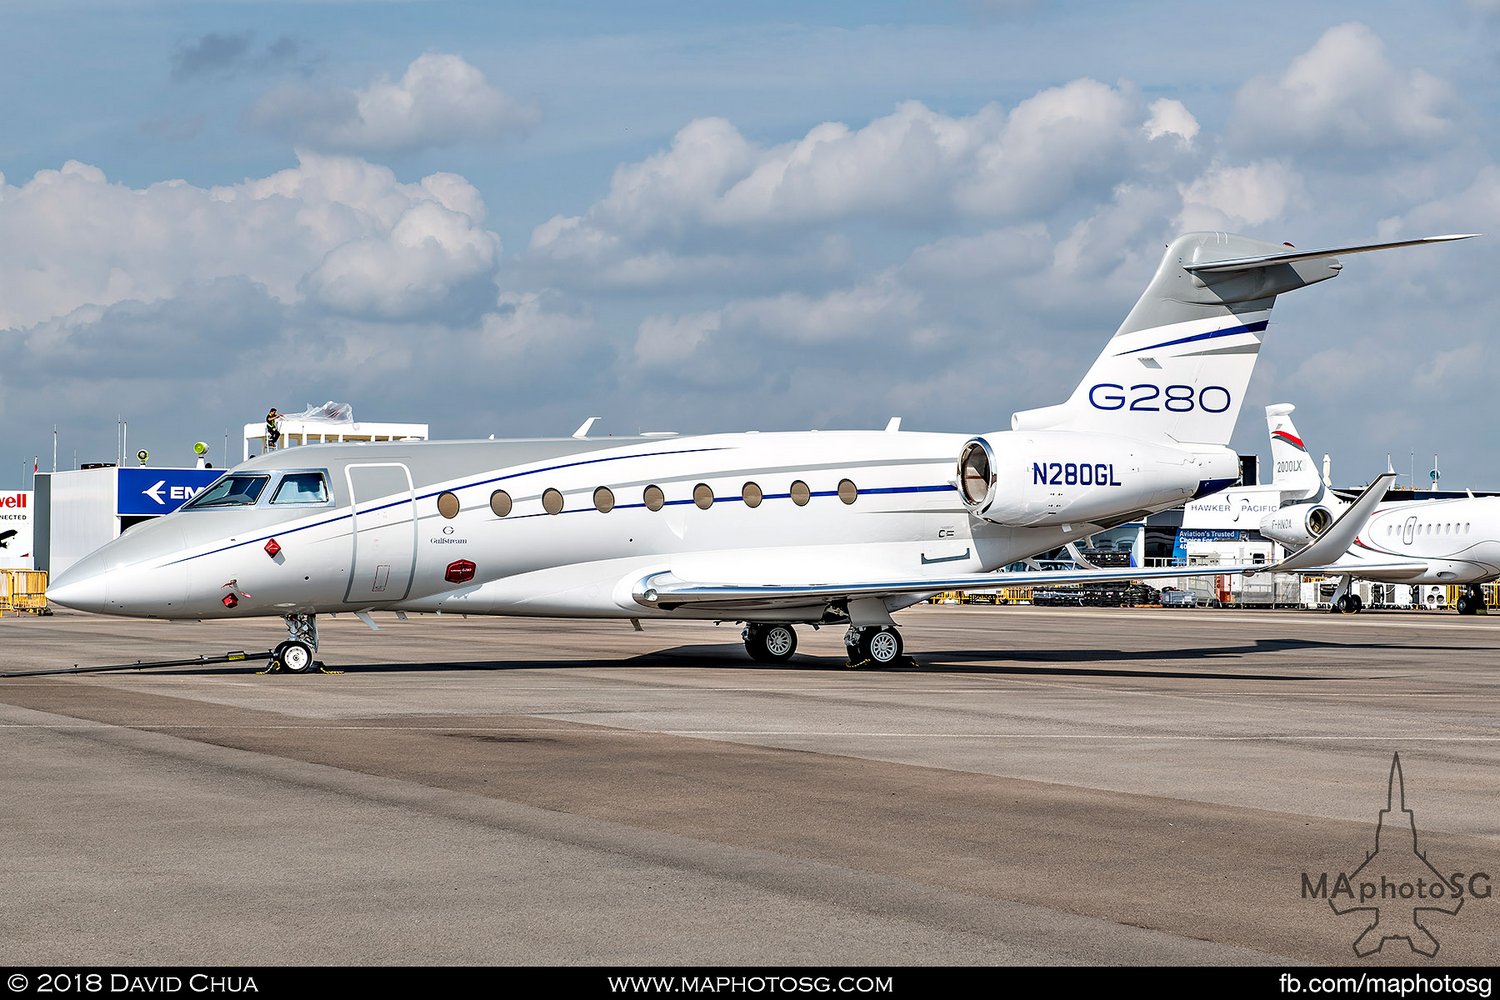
{"type": "Point", "coordinates": [1073, 474]}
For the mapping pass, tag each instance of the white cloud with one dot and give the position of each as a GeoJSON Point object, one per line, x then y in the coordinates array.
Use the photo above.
{"type": "Point", "coordinates": [1343, 94]}
{"type": "Point", "coordinates": [707, 207]}
{"type": "Point", "coordinates": [1233, 198]}
{"type": "Point", "coordinates": [1171, 117]}
{"type": "Point", "coordinates": [914, 162]}
{"type": "Point", "coordinates": [1075, 136]}
{"type": "Point", "coordinates": [339, 230]}
{"type": "Point", "coordinates": [439, 100]}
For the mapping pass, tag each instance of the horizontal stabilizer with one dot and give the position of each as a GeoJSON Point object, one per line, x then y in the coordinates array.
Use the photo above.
{"type": "Point", "coordinates": [1291, 255]}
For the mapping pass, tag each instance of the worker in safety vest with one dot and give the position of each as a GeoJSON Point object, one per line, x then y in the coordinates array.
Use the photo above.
{"type": "Point", "coordinates": [273, 432]}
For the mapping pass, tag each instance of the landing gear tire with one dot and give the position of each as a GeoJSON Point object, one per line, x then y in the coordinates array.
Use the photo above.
{"type": "Point", "coordinates": [1349, 604]}
{"type": "Point", "coordinates": [770, 643]}
{"type": "Point", "coordinates": [878, 645]}
{"type": "Point", "coordinates": [295, 657]}
{"type": "Point", "coordinates": [1471, 601]}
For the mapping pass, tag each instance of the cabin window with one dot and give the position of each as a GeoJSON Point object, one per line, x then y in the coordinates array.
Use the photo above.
{"type": "Point", "coordinates": [500, 503]}
{"type": "Point", "coordinates": [604, 500]}
{"type": "Point", "coordinates": [703, 496]}
{"type": "Point", "coordinates": [751, 494]}
{"type": "Point", "coordinates": [301, 487]}
{"type": "Point", "coordinates": [654, 498]}
{"type": "Point", "coordinates": [848, 492]}
{"type": "Point", "coordinates": [800, 493]}
{"type": "Point", "coordinates": [231, 491]}
{"type": "Point", "coordinates": [448, 505]}
{"type": "Point", "coordinates": [552, 501]}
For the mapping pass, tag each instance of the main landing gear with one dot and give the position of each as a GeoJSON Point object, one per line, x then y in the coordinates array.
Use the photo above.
{"type": "Point", "coordinates": [867, 646]}
{"type": "Point", "coordinates": [769, 643]}
{"type": "Point", "coordinates": [295, 655]}
{"type": "Point", "coordinates": [876, 645]}
{"type": "Point", "coordinates": [1345, 600]}
{"type": "Point", "coordinates": [1471, 601]}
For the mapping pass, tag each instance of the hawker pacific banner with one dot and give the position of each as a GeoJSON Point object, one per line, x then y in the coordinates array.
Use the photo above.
{"type": "Point", "coordinates": [15, 528]}
{"type": "Point", "coordinates": [159, 491]}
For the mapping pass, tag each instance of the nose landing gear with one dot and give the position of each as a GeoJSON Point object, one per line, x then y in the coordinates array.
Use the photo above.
{"type": "Point", "coordinates": [295, 654]}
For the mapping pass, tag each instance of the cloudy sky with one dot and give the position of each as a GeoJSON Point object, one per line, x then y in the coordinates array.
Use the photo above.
{"type": "Point", "coordinates": [503, 218]}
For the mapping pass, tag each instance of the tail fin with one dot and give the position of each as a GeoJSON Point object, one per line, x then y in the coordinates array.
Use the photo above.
{"type": "Point", "coordinates": [1294, 472]}
{"type": "Point", "coordinates": [1178, 366]}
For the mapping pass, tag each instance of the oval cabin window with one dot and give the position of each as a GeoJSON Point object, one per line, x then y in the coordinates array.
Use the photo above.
{"type": "Point", "coordinates": [552, 502]}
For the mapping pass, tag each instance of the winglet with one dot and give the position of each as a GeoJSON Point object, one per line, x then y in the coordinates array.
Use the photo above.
{"type": "Point", "coordinates": [583, 428]}
{"type": "Point", "coordinates": [1333, 543]}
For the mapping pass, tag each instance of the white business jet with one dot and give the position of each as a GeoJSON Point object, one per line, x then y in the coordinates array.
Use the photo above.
{"type": "Point", "coordinates": [1450, 541]}
{"type": "Point", "coordinates": [772, 530]}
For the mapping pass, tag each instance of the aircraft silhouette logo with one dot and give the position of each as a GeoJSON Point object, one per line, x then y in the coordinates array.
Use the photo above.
{"type": "Point", "coordinates": [1398, 875]}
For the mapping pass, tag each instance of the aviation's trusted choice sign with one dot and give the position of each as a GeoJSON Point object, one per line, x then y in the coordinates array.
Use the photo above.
{"type": "Point", "coordinates": [159, 491]}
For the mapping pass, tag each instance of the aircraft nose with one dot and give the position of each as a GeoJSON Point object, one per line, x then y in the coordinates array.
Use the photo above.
{"type": "Point", "coordinates": [79, 588]}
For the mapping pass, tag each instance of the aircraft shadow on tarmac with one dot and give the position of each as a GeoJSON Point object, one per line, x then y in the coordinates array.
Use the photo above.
{"type": "Point", "coordinates": [1096, 662]}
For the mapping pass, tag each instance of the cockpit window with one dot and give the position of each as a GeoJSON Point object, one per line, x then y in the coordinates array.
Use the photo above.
{"type": "Point", "coordinates": [301, 487]}
{"type": "Point", "coordinates": [231, 491]}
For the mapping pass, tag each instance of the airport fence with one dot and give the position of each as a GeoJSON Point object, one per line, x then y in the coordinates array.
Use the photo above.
{"type": "Point", "coordinates": [23, 590]}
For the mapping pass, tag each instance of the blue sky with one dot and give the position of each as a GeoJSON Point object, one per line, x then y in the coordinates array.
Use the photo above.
{"type": "Point", "coordinates": [501, 218]}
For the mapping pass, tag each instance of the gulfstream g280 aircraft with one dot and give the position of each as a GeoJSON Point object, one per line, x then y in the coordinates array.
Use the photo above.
{"type": "Point", "coordinates": [770, 529]}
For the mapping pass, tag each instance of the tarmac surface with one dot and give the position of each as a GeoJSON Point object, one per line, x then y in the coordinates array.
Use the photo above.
{"type": "Point", "coordinates": [1046, 785]}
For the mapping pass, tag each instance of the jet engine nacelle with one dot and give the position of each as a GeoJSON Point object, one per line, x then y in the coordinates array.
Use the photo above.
{"type": "Point", "coordinates": [1042, 478]}
{"type": "Point", "coordinates": [1296, 525]}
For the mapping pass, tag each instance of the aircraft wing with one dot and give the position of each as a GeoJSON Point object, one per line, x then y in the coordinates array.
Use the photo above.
{"type": "Point", "coordinates": [666, 591]}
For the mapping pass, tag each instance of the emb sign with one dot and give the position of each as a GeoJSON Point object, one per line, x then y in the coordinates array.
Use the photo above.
{"type": "Point", "coordinates": [159, 491]}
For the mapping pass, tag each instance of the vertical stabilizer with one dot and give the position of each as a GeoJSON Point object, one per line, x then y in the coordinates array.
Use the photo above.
{"type": "Point", "coordinates": [1178, 367]}
{"type": "Point", "coordinates": [1293, 470]}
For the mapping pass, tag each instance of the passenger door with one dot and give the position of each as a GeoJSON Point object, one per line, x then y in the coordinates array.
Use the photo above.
{"type": "Point", "coordinates": [384, 533]}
